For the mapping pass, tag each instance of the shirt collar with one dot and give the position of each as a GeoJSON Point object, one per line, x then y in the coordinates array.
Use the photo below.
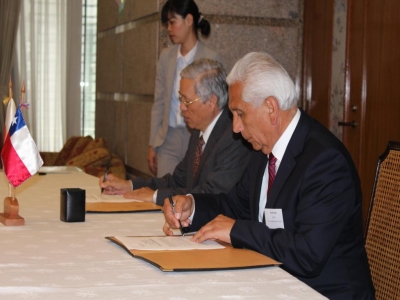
{"type": "Point", "coordinates": [206, 134]}
{"type": "Point", "coordinates": [188, 58]}
{"type": "Point", "coordinates": [280, 147]}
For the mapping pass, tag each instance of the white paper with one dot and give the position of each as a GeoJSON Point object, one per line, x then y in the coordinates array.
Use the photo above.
{"type": "Point", "coordinates": [165, 243]}
{"type": "Point", "coordinates": [94, 198]}
{"type": "Point", "coordinates": [59, 169]}
{"type": "Point", "coordinates": [273, 218]}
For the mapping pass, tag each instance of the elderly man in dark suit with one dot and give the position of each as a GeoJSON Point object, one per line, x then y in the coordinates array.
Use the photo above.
{"type": "Point", "coordinates": [216, 157]}
{"type": "Point", "coordinates": [299, 201]}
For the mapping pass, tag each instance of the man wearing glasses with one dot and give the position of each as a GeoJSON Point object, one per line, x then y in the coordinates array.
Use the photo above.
{"type": "Point", "coordinates": [216, 157]}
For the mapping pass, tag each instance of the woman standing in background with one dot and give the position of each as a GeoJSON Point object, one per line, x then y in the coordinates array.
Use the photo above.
{"type": "Point", "coordinates": [169, 135]}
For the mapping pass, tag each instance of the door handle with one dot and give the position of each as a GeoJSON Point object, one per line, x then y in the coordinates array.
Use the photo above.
{"type": "Point", "coordinates": [352, 124]}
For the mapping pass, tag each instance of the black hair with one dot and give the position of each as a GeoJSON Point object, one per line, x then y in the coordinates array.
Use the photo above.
{"type": "Point", "coordinates": [183, 8]}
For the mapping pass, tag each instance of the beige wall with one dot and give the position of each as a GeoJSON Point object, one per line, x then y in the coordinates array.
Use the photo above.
{"type": "Point", "coordinates": [129, 42]}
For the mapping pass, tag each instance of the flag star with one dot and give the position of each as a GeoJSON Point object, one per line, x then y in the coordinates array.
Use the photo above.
{"type": "Point", "coordinates": [14, 121]}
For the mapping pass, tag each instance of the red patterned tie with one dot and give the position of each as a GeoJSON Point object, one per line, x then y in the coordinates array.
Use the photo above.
{"type": "Point", "coordinates": [197, 156]}
{"type": "Point", "coordinates": [271, 171]}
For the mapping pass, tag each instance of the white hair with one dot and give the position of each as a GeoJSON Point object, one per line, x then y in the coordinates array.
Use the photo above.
{"type": "Point", "coordinates": [262, 77]}
{"type": "Point", "coordinates": [210, 78]}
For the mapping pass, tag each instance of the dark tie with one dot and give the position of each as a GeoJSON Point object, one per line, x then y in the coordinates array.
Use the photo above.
{"type": "Point", "coordinates": [271, 171]}
{"type": "Point", "coordinates": [197, 156]}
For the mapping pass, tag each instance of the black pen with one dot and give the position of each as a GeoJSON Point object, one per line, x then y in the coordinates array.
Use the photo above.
{"type": "Point", "coordinates": [173, 206]}
{"type": "Point", "coordinates": [106, 174]}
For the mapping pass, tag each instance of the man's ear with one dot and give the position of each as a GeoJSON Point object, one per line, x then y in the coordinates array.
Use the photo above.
{"type": "Point", "coordinates": [213, 101]}
{"type": "Point", "coordinates": [271, 106]}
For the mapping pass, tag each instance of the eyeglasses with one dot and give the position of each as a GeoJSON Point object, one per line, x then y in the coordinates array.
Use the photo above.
{"type": "Point", "coordinates": [186, 101]}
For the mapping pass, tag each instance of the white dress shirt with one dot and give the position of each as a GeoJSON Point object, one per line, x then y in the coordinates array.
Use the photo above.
{"type": "Point", "coordinates": [278, 150]}
{"type": "Point", "coordinates": [175, 116]}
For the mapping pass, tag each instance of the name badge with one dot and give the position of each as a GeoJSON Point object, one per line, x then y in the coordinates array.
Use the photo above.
{"type": "Point", "coordinates": [273, 218]}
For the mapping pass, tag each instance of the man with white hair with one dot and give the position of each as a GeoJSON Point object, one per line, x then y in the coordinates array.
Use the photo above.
{"type": "Point", "coordinates": [299, 201]}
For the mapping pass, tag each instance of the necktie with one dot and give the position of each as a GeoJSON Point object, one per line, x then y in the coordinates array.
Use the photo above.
{"type": "Point", "coordinates": [197, 156]}
{"type": "Point", "coordinates": [271, 171]}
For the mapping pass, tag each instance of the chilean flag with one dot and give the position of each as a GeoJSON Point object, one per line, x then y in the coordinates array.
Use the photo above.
{"type": "Point", "coordinates": [20, 156]}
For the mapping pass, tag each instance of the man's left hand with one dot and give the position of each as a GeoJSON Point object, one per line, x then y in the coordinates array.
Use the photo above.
{"type": "Point", "coordinates": [144, 194]}
{"type": "Point", "coordinates": [217, 229]}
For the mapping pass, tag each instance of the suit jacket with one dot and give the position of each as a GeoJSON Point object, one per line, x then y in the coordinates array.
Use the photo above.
{"type": "Point", "coordinates": [165, 76]}
{"type": "Point", "coordinates": [222, 164]}
{"type": "Point", "coordinates": [318, 189]}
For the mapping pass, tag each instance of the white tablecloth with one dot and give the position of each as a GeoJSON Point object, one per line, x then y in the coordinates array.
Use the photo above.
{"type": "Point", "coordinates": [50, 259]}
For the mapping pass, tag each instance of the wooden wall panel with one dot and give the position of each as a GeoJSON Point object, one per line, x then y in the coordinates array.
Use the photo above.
{"type": "Point", "coordinates": [317, 58]}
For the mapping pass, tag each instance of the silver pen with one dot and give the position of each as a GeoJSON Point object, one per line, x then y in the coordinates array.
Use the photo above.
{"type": "Point", "coordinates": [106, 174]}
{"type": "Point", "coordinates": [173, 206]}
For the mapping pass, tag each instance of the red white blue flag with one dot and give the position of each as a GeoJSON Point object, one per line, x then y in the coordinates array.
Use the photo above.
{"type": "Point", "coordinates": [20, 156]}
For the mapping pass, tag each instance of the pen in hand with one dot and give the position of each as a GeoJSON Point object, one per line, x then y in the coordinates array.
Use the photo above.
{"type": "Point", "coordinates": [105, 175]}
{"type": "Point", "coordinates": [173, 206]}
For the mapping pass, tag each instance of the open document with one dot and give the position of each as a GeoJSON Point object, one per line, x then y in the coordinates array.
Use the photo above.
{"type": "Point", "coordinates": [177, 253]}
{"type": "Point", "coordinates": [165, 243]}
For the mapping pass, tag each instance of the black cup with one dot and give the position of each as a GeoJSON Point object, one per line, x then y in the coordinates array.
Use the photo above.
{"type": "Point", "coordinates": [72, 205]}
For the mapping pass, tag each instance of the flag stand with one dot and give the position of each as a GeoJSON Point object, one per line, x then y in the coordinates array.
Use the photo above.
{"type": "Point", "coordinates": [10, 216]}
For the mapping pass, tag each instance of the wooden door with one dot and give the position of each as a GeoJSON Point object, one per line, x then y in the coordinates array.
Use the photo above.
{"type": "Point", "coordinates": [317, 58]}
{"type": "Point", "coordinates": [372, 99]}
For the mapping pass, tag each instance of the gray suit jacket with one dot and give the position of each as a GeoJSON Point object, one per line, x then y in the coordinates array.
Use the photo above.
{"type": "Point", "coordinates": [165, 75]}
{"type": "Point", "coordinates": [222, 164]}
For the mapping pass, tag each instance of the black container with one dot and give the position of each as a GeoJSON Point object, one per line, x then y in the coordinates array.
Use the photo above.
{"type": "Point", "coordinates": [72, 205]}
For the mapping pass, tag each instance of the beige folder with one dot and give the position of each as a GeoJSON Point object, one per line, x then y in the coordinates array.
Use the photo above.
{"type": "Point", "coordinates": [201, 260]}
{"type": "Point", "coordinates": [117, 207]}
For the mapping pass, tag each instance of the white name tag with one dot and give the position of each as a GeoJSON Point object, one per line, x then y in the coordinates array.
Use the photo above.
{"type": "Point", "coordinates": [273, 218]}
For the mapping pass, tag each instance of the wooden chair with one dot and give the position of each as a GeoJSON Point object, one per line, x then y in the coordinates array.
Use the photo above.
{"type": "Point", "coordinates": [382, 231]}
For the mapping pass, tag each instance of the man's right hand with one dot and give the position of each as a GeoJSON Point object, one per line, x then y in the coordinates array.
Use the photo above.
{"type": "Point", "coordinates": [184, 206]}
{"type": "Point", "coordinates": [152, 160]}
{"type": "Point", "coordinates": [114, 185]}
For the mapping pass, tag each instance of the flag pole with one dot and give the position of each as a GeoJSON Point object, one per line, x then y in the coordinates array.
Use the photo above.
{"type": "Point", "coordinates": [10, 94]}
{"type": "Point", "coordinates": [10, 216]}
{"type": "Point", "coordinates": [10, 88]}
{"type": "Point", "coordinates": [23, 93]}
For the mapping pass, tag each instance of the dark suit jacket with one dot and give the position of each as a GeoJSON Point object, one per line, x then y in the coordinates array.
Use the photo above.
{"type": "Point", "coordinates": [318, 189]}
{"type": "Point", "coordinates": [222, 164]}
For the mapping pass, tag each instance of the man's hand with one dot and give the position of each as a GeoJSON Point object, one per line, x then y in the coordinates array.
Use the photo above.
{"type": "Point", "coordinates": [144, 194]}
{"type": "Point", "coordinates": [183, 209]}
{"type": "Point", "coordinates": [217, 229]}
{"type": "Point", "coordinates": [152, 160]}
{"type": "Point", "coordinates": [114, 185]}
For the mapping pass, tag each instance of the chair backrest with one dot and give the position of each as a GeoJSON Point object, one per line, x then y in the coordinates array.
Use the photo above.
{"type": "Point", "coordinates": [382, 231]}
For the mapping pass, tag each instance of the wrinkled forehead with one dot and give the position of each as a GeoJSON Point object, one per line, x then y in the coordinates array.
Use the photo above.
{"type": "Point", "coordinates": [187, 85]}
{"type": "Point", "coordinates": [235, 96]}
